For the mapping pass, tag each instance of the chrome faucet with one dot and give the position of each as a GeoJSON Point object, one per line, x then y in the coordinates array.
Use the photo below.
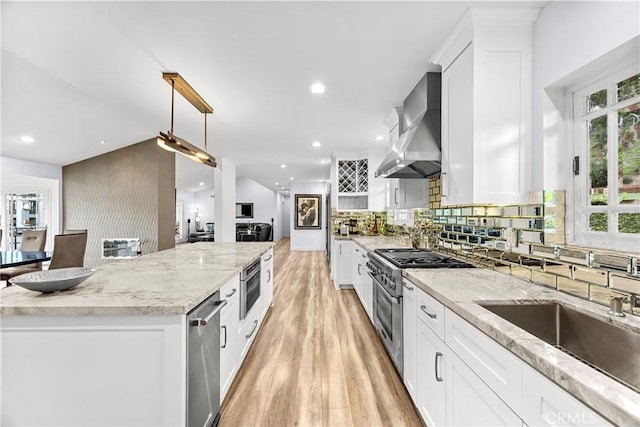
{"type": "Point", "coordinates": [615, 305]}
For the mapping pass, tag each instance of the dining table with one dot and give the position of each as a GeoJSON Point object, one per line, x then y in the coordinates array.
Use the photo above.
{"type": "Point", "coordinates": [18, 258]}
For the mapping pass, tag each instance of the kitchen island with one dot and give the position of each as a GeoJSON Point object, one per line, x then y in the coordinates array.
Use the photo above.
{"type": "Point", "coordinates": [113, 350]}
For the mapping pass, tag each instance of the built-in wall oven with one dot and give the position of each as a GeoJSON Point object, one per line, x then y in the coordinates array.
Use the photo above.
{"type": "Point", "coordinates": [249, 287]}
{"type": "Point", "coordinates": [385, 268]}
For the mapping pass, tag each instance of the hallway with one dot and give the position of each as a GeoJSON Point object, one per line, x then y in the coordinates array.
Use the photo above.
{"type": "Point", "coordinates": [317, 360]}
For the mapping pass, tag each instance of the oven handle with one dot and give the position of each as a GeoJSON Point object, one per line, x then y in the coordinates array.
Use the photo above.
{"type": "Point", "coordinates": [393, 299]}
{"type": "Point", "coordinates": [203, 321]}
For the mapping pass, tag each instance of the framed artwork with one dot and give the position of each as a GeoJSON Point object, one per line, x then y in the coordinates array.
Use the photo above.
{"type": "Point", "coordinates": [308, 215]}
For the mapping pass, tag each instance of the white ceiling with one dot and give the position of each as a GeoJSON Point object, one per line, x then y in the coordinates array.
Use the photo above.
{"type": "Point", "coordinates": [75, 73]}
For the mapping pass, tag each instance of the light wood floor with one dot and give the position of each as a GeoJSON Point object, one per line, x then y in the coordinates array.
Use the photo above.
{"type": "Point", "coordinates": [317, 360]}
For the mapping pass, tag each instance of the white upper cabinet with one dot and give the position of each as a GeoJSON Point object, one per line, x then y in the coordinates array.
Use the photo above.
{"type": "Point", "coordinates": [354, 186]}
{"type": "Point", "coordinates": [486, 107]}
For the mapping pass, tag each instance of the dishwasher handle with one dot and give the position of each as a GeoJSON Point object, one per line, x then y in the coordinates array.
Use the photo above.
{"type": "Point", "coordinates": [202, 321]}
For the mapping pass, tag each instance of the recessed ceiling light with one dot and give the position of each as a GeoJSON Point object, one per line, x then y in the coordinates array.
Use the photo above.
{"type": "Point", "coordinates": [291, 178]}
{"type": "Point", "coordinates": [324, 162]}
{"type": "Point", "coordinates": [27, 138]}
{"type": "Point", "coordinates": [102, 141]}
{"type": "Point", "coordinates": [317, 88]}
{"type": "Point", "coordinates": [277, 183]}
{"type": "Point", "coordinates": [316, 144]}
{"type": "Point", "coordinates": [283, 166]}
{"type": "Point", "coordinates": [379, 138]}
{"type": "Point", "coordinates": [201, 184]}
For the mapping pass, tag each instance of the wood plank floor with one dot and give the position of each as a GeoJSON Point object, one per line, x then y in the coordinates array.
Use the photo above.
{"type": "Point", "coordinates": [317, 360]}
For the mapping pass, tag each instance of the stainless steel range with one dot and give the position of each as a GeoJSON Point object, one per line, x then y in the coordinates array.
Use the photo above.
{"type": "Point", "coordinates": [385, 268]}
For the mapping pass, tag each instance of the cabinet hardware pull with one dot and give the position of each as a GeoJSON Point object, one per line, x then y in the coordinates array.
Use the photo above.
{"type": "Point", "coordinates": [255, 326]}
{"type": "Point", "coordinates": [202, 322]}
{"type": "Point", "coordinates": [395, 195]}
{"type": "Point", "coordinates": [340, 249]}
{"type": "Point", "coordinates": [267, 259]}
{"type": "Point", "coordinates": [442, 186]}
{"type": "Point", "coordinates": [359, 272]}
{"type": "Point", "coordinates": [225, 337]}
{"type": "Point", "coordinates": [438, 356]}
{"type": "Point", "coordinates": [230, 294]}
{"type": "Point", "coordinates": [410, 288]}
{"type": "Point", "coordinates": [424, 308]}
{"type": "Point", "coordinates": [269, 274]}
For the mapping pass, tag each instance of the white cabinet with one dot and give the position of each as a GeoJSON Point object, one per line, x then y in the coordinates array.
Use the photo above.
{"type": "Point", "coordinates": [343, 253]}
{"type": "Point", "coordinates": [407, 193]}
{"type": "Point", "coordinates": [470, 402]}
{"type": "Point", "coordinates": [431, 375]}
{"type": "Point", "coordinates": [353, 182]}
{"type": "Point", "coordinates": [410, 339]}
{"type": "Point", "coordinates": [486, 107]}
{"type": "Point", "coordinates": [426, 356]}
{"type": "Point", "coordinates": [546, 404]}
{"type": "Point", "coordinates": [361, 281]}
{"type": "Point", "coordinates": [229, 323]}
{"type": "Point", "coordinates": [459, 376]}
{"type": "Point", "coordinates": [496, 366]}
{"type": "Point", "coordinates": [266, 281]}
{"type": "Point", "coordinates": [377, 186]}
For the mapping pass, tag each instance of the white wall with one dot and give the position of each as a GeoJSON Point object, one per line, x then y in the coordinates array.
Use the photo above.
{"type": "Point", "coordinates": [308, 240]}
{"type": "Point", "coordinates": [265, 203]}
{"type": "Point", "coordinates": [205, 202]}
{"type": "Point", "coordinates": [286, 216]}
{"type": "Point", "coordinates": [567, 36]}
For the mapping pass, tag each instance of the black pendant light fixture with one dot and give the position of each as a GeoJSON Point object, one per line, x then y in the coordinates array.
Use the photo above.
{"type": "Point", "coordinates": [169, 141]}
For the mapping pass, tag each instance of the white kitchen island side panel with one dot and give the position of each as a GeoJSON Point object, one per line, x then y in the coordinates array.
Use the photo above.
{"type": "Point", "coordinates": [93, 370]}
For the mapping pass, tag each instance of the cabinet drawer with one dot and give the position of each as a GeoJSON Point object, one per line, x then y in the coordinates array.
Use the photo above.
{"type": "Point", "coordinates": [546, 404]}
{"type": "Point", "coordinates": [247, 332]}
{"type": "Point", "coordinates": [495, 365]}
{"type": "Point", "coordinates": [230, 291]}
{"type": "Point", "coordinates": [429, 310]}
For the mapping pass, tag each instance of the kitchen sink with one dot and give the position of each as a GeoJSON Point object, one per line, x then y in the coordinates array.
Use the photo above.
{"type": "Point", "coordinates": [610, 349]}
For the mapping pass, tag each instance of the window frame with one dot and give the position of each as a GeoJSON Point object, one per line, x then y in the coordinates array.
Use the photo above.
{"type": "Point", "coordinates": [578, 221]}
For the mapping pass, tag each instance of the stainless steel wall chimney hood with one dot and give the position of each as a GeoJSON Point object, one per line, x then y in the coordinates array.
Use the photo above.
{"type": "Point", "coordinates": [417, 152]}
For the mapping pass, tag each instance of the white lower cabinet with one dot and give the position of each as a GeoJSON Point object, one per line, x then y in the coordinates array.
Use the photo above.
{"type": "Point", "coordinates": [361, 281]}
{"type": "Point", "coordinates": [495, 365]}
{"type": "Point", "coordinates": [229, 322]}
{"type": "Point", "coordinates": [546, 404]}
{"type": "Point", "coordinates": [410, 339]}
{"type": "Point", "coordinates": [431, 385]}
{"type": "Point", "coordinates": [459, 376]}
{"type": "Point", "coordinates": [266, 281]}
{"type": "Point", "coordinates": [342, 262]}
{"type": "Point", "coordinates": [469, 401]}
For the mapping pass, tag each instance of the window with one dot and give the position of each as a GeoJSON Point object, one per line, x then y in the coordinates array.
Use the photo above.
{"type": "Point", "coordinates": [606, 183]}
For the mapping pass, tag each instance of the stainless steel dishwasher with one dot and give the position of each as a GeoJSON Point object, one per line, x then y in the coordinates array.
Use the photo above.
{"type": "Point", "coordinates": [203, 357]}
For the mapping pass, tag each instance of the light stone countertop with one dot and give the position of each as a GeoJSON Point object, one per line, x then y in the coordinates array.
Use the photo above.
{"type": "Point", "coordinates": [168, 282]}
{"type": "Point", "coordinates": [461, 289]}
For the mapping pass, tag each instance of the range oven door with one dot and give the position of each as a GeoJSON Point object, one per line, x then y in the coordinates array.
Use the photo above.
{"type": "Point", "coordinates": [387, 318]}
